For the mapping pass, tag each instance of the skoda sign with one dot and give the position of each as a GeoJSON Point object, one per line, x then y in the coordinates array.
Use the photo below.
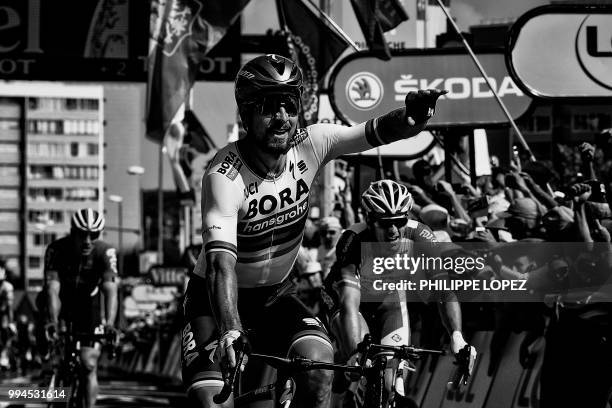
{"type": "Point", "coordinates": [363, 87]}
{"type": "Point", "coordinates": [364, 91]}
{"type": "Point", "coordinates": [563, 51]}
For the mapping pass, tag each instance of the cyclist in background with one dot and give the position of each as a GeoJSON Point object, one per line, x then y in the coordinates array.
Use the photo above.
{"type": "Point", "coordinates": [7, 323]}
{"type": "Point", "coordinates": [79, 268]}
{"type": "Point", "coordinates": [254, 208]}
{"type": "Point", "coordinates": [387, 207]}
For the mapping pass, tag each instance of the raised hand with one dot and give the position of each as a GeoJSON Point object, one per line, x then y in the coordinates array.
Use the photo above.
{"type": "Point", "coordinates": [421, 105]}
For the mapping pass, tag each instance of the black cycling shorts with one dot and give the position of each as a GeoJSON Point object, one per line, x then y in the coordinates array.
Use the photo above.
{"type": "Point", "coordinates": [272, 329]}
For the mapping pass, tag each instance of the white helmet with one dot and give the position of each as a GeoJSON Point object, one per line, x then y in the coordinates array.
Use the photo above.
{"type": "Point", "coordinates": [88, 220]}
{"type": "Point", "coordinates": [386, 198]}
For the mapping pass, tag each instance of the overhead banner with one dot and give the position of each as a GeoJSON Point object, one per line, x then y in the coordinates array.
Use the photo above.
{"type": "Point", "coordinates": [563, 51]}
{"type": "Point", "coordinates": [102, 40]}
{"type": "Point", "coordinates": [363, 87]}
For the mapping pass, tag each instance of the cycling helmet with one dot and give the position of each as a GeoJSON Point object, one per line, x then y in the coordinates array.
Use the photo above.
{"type": "Point", "coordinates": [267, 74]}
{"type": "Point", "coordinates": [88, 220]}
{"type": "Point", "coordinates": [386, 198]}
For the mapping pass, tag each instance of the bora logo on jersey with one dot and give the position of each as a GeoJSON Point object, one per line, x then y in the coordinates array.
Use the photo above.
{"type": "Point", "coordinates": [267, 204]}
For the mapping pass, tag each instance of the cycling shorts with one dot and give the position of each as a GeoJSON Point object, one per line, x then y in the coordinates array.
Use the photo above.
{"type": "Point", "coordinates": [271, 329]}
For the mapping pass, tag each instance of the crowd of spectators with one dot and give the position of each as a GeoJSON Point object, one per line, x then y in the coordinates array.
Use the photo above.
{"type": "Point", "coordinates": [529, 205]}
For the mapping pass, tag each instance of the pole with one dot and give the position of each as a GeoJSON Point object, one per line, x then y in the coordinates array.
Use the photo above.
{"type": "Point", "coordinates": [160, 206]}
{"type": "Point", "coordinates": [486, 78]}
{"type": "Point", "coordinates": [120, 255]}
{"type": "Point", "coordinates": [335, 26]}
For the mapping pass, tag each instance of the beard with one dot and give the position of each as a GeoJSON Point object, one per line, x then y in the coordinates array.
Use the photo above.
{"type": "Point", "coordinates": [278, 137]}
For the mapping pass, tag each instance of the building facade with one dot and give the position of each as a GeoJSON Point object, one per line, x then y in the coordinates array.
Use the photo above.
{"type": "Point", "coordinates": [52, 163]}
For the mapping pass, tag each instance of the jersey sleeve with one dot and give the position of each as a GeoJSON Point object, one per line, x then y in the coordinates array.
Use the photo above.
{"type": "Point", "coordinates": [330, 141]}
{"type": "Point", "coordinates": [221, 200]}
{"type": "Point", "coordinates": [51, 265]}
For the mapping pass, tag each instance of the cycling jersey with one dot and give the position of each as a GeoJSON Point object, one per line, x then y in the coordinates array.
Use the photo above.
{"type": "Point", "coordinates": [261, 221]}
{"type": "Point", "coordinates": [80, 276]}
{"type": "Point", "coordinates": [349, 252]}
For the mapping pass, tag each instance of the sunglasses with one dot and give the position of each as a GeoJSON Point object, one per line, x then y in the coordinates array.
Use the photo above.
{"type": "Point", "coordinates": [271, 104]}
{"type": "Point", "coordinates": [385, 223]}
{"type": "Point", "coordinates": [331, 232]}
{"type": "Point", "coordinates": [84, 234]}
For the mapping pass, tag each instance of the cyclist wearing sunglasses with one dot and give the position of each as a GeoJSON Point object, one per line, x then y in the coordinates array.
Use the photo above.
{"type": "Point", "coordinates": [79, 268]}
{"type": "Point", "coordinates": [387, 206]}
{"type": "Point", "coordinates": [254, 208]}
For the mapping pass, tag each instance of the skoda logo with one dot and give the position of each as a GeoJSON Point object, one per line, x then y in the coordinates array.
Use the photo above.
{"type": "Point", "coordinates": [364, 91]}
{"type": "Point", "coordinates": [594, 48]}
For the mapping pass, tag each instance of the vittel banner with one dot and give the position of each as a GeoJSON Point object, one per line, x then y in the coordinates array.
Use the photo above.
{"type": "Point", "coordinates": [563, 51]}
{"type": "Point", "coordinates": [364, 87]}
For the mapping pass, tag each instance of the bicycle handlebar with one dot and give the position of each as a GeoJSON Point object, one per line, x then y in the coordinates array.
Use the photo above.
{"type": "Point", "coordinates": [291, 365]}
{"type": "Point", "coordinates": [367, 347]}
{"type": "Point", "coordinates": [299, 364]}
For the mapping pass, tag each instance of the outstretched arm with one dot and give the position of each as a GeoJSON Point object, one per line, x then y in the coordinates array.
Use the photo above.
{"type": "Point", "coordinates": [331, 141]}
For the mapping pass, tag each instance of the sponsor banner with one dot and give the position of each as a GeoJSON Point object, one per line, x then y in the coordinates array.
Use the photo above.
{"type": "Point", "coordinates": [364, 87]}
{"type": "Point", "coordinates": [563, 51]}
{"type": "Point", "coordinates": [167, 276]}
{"type": "Point", "coordinates": [103, 40]}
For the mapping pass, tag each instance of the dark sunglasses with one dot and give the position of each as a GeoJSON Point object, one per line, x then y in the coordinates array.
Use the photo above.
{"type": "Point", "coordinates": [84, 234]}
{"type": "Point", "coordinates": [330, 232]}
{"type": "Point", "coordinates": [269, 105]}
{"type": "Point", "coordinates": [385, 223]}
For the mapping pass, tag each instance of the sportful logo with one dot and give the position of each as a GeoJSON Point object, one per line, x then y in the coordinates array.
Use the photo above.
{"type": "Point", "coordinates": [364, 91]}
{"type": "Point", "coordinates": [594, 48]}
{"type": "Point", "coordinates": [179, 24]}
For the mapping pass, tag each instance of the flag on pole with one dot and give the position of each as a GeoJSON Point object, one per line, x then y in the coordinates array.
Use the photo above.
{"type": "Point", "coordinates": [376, 17]}
{"type": "Point", "coordinates": [182, 32]}
{"type": "Point", "coordinates": [315, 46]}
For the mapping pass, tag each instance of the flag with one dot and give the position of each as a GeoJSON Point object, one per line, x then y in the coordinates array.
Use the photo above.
{"type": "Point", "coordinates": [376, 17]}
{"type": "Point", "coordinates": [182, 32]}
{"type": "Point", "coordinates": [315, 46]}
{"type": "Point", "coordinates": [196, 137]}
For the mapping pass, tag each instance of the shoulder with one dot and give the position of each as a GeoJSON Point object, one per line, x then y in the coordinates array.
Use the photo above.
{"type": "Point", "coordinates": [103, 249]}
{"type": "Point", "coordinates": [7, 286]}
{"type": "Point", "coordinates": [301, 135]}
{"type": "Point", "coordinates": [420, 232]}
{"type": "Point", "coordinates": [348, 248]}
{"type": "Point", "coordinates": [59, 245]}
{"type": "Point", "coordinates": [227, 162]}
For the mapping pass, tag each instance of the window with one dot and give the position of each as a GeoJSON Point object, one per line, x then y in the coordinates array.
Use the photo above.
{"type": "Point", "coordinates": [33, 262]}
{"type": "Point", "coordinates": [43, 238]}
{"type": "Point", "coordinates": [9, 171]}
{"type": "Point", "coordinates": [74, 149]}
{"type": "Point", "coordinates": [6, 239]}
{"type": "Point", "coordinates": [9, 148]}
{"type": "Point", "coordinates": [9, 124]}
{"type": "Point", "coordinates": [8, 216]}
{"type": "Point", "coordinates": [92, 149]}
{"type": "Point", "coordinates": [9, 194]}
{"type": "Point", "coordinates": [591, 122]}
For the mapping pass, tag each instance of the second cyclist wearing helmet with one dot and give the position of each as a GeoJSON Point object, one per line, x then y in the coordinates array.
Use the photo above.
{"type": "Point", "coordinates": [81, 262]}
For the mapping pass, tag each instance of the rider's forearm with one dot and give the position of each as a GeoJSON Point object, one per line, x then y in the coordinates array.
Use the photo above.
{"type": "Point", "coordinates": [53, 299]}
{"type": "Point", "coordinates": [110, 302]}
{"type": "Point", "coordinates": [450, 312]}
{"type": "Point", "coordinates": [392, 127]}
{"type": "Point", "coordinates": [223, 287]}
{"type": "Point", "coordinates": [349, 323]}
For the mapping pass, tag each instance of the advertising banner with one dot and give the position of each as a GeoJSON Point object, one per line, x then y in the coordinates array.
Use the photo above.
{"type": "Point", "coordinates": [102, 40]}
{"type": "Point", "coordinates": [563, 51]}
{"type": "Point", "coordinates": [363, 87]}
